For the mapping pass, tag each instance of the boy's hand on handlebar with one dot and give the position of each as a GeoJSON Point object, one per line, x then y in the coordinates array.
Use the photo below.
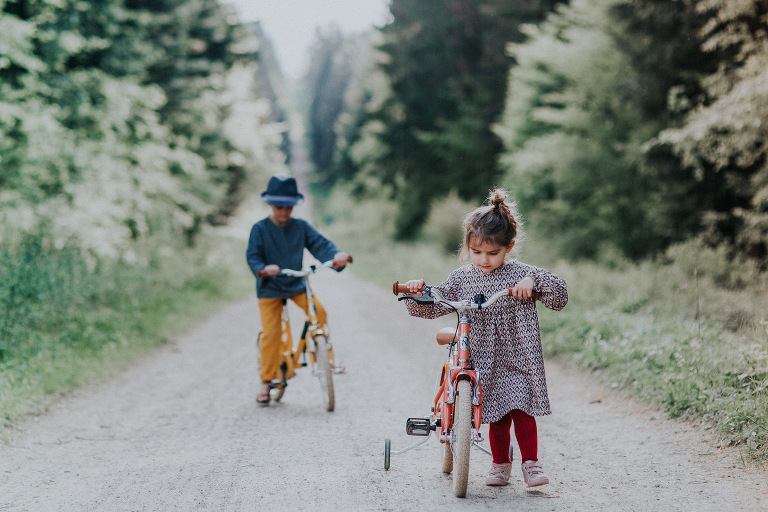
{"type": "Point", "coordinates": [523, 289]}
{"type": "Point", "coordinates": [340, 259]}
{"type": "Point", "coordinates": [270, 270]}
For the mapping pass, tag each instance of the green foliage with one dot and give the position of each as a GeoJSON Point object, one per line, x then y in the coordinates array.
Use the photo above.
{"type": "Point", "coordinates": [334, 65]}
{"type": "Point", "coordinates": [692, 370]}
{"type": "Point", "coordinates": [670, 333]}
{"type": "Point", "coordinates": [628, 125]}
{"type": "Point", "coordinates": [633, 125]}
{"type": "Point", "coordinates": [270, 86]}
{"type": "Point", "coordinates": [573, 135]}
{"type": "Point", "coordinates": [360, 147]}
{"type": "Point", "coordinates": [444, 225]}
{"type": "Point", "coordinates": [112, 118]}
{"type": "Point", "coordinates": [42, 289]}
{"type": "Point", "coordinates": [68, 316]}
{"type": "Point", "coordinates": [445, 65]}
{"type": "Point", "coordinates": [722, 140]}
{"type": "Point", "coordinates": [364, 227]}
{"type": "Point", "coordinates": [125, 127]}
{"type": "Point", "coordinates": [197, 44]}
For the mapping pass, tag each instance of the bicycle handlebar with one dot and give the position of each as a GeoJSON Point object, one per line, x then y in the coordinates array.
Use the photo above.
{"type": "Point", "coordinates": [431, 294]}
{"type": "Point", "coordinates": [312, 269]}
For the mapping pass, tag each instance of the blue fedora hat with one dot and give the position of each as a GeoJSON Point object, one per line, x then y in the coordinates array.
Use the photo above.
{"type": "Point", "coordinates": [282, 191]}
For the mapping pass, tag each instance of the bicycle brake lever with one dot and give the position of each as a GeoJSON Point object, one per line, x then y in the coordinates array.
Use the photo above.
{"type": "Point", "coordinates": [420, 300]}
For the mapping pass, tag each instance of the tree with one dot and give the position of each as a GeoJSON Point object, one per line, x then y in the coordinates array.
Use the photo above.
{"type": "Point", "coordinates": [270, 85]}
{"type": "Point", "coordinates": [446, 62]}
{"type": "Point", "coordinates": [663, 42]}
{"type": "Point", "coordinates": [196, 43]}
{"type": "Point", "coordinates": [93, 144]}
{"type": "Point", "coordinates": [573, 133]}
{"type": "Point", "coordinates": [79, 133]}
{"type": "Point", "coordinates": [334, 67]}
{"type": "Point", "coordinates": [722, 140]}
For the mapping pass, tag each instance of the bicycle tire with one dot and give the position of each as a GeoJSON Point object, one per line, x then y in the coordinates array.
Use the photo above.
{"type": "Point", "coordinates": [387, 452]}
{"type": "Point", "coordinates": [324, 371]}
{"type": "Point", "coordinates": [462, 428]}
{"type": "Point", "coordinates": [446, 456]}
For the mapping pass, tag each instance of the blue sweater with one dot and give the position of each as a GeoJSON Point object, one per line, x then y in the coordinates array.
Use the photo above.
{"type": "Point", "coordinates": [270, 244]}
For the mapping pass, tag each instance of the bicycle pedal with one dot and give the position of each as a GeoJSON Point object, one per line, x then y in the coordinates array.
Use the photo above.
{"type": "Point", "coordinates": [418, 427]}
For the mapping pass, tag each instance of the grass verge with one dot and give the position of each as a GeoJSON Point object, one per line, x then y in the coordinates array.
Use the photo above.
{"type": "Point", "coordinates": [68, 318]}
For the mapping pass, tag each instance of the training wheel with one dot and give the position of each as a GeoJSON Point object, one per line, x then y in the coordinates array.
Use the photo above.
{"type": "Point", "coordinates": [387, 452]}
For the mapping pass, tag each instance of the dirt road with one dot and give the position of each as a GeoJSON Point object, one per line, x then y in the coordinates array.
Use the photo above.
{"type": "Point", "coordinates": [181, 431]}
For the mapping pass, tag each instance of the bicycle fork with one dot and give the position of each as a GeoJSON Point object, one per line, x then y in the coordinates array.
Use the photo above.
{"type": "Point", "coordinates": [312, 327]}
{"type": "Point", "coordinates": [450, 399]}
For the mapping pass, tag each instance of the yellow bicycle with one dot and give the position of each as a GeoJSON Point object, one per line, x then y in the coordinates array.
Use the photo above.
{"type": "Point", "coordinates": [313, 346]}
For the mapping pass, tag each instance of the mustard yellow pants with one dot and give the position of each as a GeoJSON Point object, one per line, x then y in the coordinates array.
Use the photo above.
{"type": "Point", "coordinates": [271, 319]}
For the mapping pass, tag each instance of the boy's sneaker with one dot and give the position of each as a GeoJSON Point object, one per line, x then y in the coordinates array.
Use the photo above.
{"type": "Point", "coordinates": [499, 474]}
{"type": "Point", "coordinates": [533, 474]}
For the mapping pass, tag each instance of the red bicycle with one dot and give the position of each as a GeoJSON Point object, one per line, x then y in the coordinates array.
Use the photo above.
{"type": "Point", "coordinates": [457, 408]}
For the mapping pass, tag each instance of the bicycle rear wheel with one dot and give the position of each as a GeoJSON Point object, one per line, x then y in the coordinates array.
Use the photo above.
{"type": "Point", "coordinates": [462, 429]}
{"type": "Point", "coordinates": [324, 371]}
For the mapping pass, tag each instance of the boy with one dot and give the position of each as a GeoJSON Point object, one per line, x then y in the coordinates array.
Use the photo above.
{"type": "Point", "coordinates": [278, 242]}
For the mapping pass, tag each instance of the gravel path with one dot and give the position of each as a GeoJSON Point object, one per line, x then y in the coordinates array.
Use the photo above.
{"type": "Point", "coordinates": [181, 431]}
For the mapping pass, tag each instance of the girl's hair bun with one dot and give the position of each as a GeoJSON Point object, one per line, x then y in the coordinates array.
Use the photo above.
{"type": "Point", "coordinates": [497, 197]}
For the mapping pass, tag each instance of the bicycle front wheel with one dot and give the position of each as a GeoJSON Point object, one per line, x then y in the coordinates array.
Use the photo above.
{"type": "Point", "coordinates": [462, 430]}
{"type": "Point", "coordinates": [324, 371]}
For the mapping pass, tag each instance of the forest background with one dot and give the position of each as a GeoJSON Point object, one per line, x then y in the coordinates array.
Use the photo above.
{"type": "Point", "coordinates": [632, 135]}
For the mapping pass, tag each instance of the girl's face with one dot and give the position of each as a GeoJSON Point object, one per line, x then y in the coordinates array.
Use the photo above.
{"type": "Point", "coordinates": [487, 256]}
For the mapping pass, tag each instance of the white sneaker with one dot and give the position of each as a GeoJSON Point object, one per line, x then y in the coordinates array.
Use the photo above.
{"type": "Point", "coordinates": [533, 474]}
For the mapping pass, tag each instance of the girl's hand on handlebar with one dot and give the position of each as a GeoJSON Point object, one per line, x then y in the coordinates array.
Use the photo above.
{"type": "Point", "coordinates": [415, 285]}
{"type": "Point", "coordinates": [523, 289]}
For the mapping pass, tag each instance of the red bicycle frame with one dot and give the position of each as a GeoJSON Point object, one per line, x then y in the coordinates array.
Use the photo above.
{"type": "Point", "coordinates": [455, 369]}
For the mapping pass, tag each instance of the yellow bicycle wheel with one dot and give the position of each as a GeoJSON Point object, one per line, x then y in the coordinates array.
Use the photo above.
{"type": "Point", "coordinates": [324, 371]}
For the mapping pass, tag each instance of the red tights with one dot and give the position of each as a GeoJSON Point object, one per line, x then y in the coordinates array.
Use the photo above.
{"type": "Point", "coordinates": [525, 431]}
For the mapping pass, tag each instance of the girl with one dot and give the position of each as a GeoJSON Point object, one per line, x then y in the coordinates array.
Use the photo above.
{"type": "Point", "coordinates": [505, 341]}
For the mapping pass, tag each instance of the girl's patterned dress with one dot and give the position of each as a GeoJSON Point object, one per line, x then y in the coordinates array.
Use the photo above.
{"type": "Point", "coordinates": [505, 341]}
